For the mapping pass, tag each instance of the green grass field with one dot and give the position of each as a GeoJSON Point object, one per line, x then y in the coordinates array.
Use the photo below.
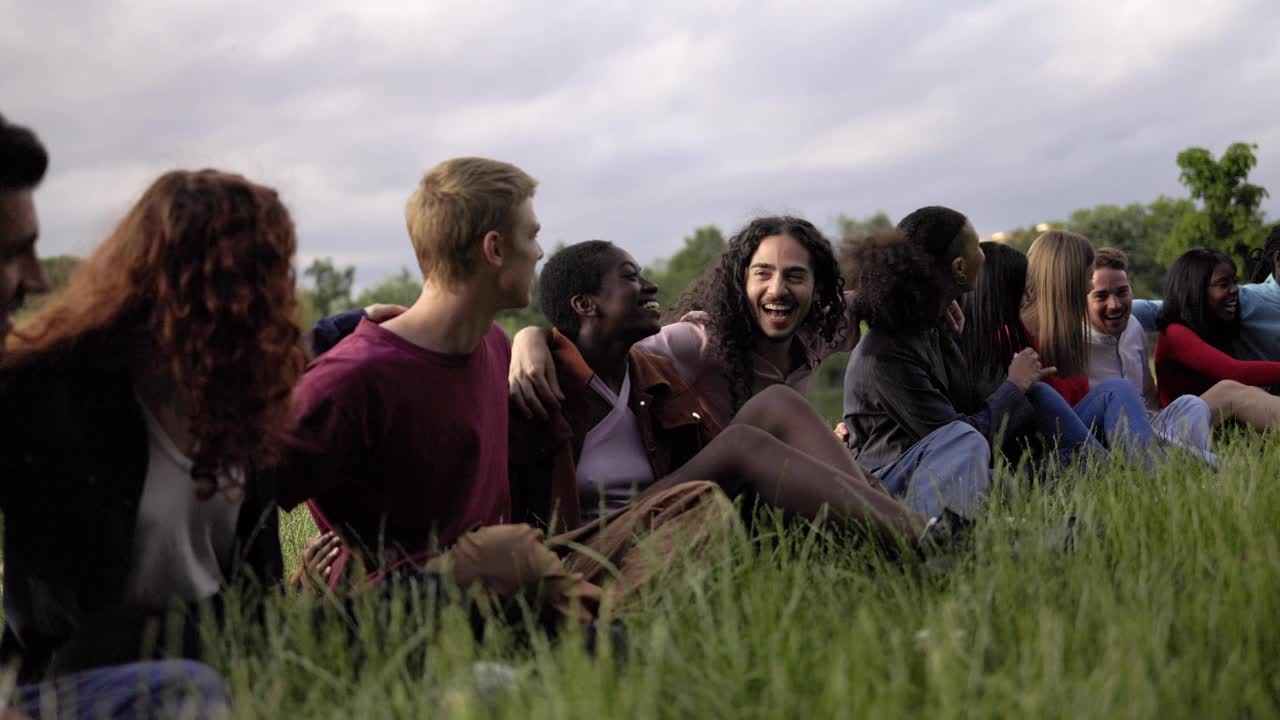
{"type": "Point", "coordinates": [1166, 608]}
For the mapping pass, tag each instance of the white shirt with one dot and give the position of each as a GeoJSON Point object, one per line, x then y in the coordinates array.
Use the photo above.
{"type": "Point", "coordinates": [1124, 357]}
{"type": "Point", "coordinates": [614, 466]}
{"type": "Point", "coordinates": [181, 542]}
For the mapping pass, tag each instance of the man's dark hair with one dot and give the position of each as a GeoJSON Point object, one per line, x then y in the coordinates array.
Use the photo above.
{"type": "Point", "coordinates": [1111, 259]}
{"type": "Point", "coordinates": [23, 159]}
{"type": "Point", "coordinates": [937, 230]}
{"type": "Point", "coordinates": [993, 328]}
{"type": "Point", "coordinates": [1186, 297]}
{"type": "Point", "coordinates": [721, 291]}
{"type": "Point", "coordinates": [1262, 263]}
{"type": "Point", "coordinates": [893, 281]}
{"type": "Point", "coordinates": [578, 269]}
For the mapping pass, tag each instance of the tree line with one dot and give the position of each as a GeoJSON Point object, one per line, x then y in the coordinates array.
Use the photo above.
{"type": "Point", "coordinates": [1222, 210]}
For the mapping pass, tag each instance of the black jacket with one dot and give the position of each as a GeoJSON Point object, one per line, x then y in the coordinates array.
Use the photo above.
{"type": "Point", "coordinates": [900, 388]}
{"type": "Point", "coordinates": [73, 461]}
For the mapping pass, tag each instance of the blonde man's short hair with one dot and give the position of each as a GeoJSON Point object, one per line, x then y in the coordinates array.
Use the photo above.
{"type": "Point", "coordinates": [455, 204]}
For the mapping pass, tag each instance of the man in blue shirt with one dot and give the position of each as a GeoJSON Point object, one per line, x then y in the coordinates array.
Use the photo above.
{"type": "Point", "coordinates": [1259, 337]}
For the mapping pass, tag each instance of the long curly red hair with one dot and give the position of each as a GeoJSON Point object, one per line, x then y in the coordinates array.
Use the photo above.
{"type": "Point", "coordinates": [198, 275]}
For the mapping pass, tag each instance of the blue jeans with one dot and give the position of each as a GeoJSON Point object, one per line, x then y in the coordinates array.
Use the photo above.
{"type": "Point", "coordinates": [949, 468]}
{"type": "Point", "coordinates": [1110, 416]}
{"type": "Point", "coordinates": [156, 689]}
{"type": "Point", "coordinates": [1187, 423]}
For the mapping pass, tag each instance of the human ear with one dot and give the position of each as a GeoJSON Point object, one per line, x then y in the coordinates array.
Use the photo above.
{"type": "Point", "coordinates": [959, 273]}
{"type": "Point", "coordinates": [584, 305]}
{"type": "Point", "coordinates": [491, 249]}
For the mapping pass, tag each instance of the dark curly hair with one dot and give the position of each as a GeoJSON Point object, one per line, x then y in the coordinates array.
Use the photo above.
{"type": "Point", "coordinates": [23, 160]}
{"type": "Point", "coordinates": [895, 283]}
{"type": "Point", "coordinates": [198, 276]}
{"type": "Point", "coordinates": [721, 292]}
{"type": "Point", "coordinates": [577, 269]}
{"type": "Point", "coordinates": [938, 230]}
{"type": "Point", "coordinates": [1262, 263]}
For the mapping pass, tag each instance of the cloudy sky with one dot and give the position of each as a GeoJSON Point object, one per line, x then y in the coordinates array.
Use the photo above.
{"type": "Point", "coordinates": [642, 120]}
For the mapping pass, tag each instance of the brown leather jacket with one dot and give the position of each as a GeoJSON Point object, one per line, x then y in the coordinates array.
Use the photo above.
{"type": "Point", "coordinates": [544, 453]}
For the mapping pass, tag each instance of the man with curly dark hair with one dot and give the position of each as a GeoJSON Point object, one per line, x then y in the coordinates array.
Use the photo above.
{"type": "Point", "coordinates": [911, 407]}
{"type": "Point", "coordinates": [768, 313]}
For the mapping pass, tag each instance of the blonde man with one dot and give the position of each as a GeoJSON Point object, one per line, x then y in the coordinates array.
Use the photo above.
{"type": "Point", "coordinates": [400, 431]}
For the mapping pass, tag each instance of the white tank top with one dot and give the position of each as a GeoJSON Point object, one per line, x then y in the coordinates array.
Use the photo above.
{"type": "Point", "coordinates": [181, 542]}
{"type": "Point", "coordinates": [614, 466]}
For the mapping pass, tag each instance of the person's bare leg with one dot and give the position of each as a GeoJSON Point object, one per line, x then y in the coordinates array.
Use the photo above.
{"type": "Point", "coordinates": [788, 416]}
{"type": "Point", "coordinates": [1252, 406]}
{"type": "Point", "coordinates": [744, 457]}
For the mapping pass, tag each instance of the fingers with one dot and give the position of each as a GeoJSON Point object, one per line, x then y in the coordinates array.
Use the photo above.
{"type": "Point", "coordinates": [531, 406]}
{"type": "Point", "coordinates": [1047, 371]}
{"type": "Point", "coordinates": [319, 546]}
{"type": "Point", "coordinates": [325, 566]}
{"type": "Point", "coordinates": [517, 398]}
{"type": "Point", "coordinates": [955, 317]}
{"type": "Point", "coordinates": [842, 432]}
{"type": "Point", "coordinates": [553, 381]}
{"type": "Point", "coordinates": [548, 396]}
{"type": "Point", "coordinates": [380, 312]}
{"type": "Point", "coordinates": [313, 545]}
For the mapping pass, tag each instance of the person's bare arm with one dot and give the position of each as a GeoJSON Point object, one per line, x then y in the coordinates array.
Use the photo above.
{"type": "Point", "coordinates": [534, 387]}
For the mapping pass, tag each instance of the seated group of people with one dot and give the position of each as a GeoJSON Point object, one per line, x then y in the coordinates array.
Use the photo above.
{"type": "Point", "coordinates": [166, 403]}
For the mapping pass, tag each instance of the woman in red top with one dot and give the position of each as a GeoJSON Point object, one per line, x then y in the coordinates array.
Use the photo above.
{"type": "Point", "coordinates": [1197, 323]}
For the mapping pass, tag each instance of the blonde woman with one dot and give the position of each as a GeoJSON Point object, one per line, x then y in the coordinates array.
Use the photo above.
{"type": "Point", "coordinates": [1055, 313]}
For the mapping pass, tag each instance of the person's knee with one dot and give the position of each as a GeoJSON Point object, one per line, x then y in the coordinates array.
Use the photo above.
{"type": "Point", "coordinates": [740, 439]}
{"type": "Point", "coordinates": [1224, 395]}
{"type": "Point", "coordinates": [1225, 391]}
{"type": "Point", "coordinates": [1228, 386]}
{"type": "Point", "coordinates": [188, 682]}
{"type": "Point", "coordinates": [770, 404]}
{"type": "Point", "coordinates": [197, 677]}
{"type": "Point", "coordinates": [963, 438]}
{"type": "Point", "coordinates": [781, 395]}
{"type": "Point", "coordinates": [1042, 395]}
{"type": "Point", "coordinates": [500, 557]}
{"type": "Point", "coordinates": [1116, 387]}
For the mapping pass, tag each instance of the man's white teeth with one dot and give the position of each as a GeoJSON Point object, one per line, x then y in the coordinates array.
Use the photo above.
{"type": "Point", "coordinates": [773, 307]}
{"type": "Point", "coordinates": [651, 305]}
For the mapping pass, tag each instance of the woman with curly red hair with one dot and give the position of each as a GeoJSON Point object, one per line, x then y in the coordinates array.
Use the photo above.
{"type": "Point", "coordinates": [151, 388]}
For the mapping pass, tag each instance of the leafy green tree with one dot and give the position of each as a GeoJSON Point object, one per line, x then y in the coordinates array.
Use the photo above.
{"type": "Point", "coordinates": [673, 275]}
{"type": "Point", "coordinates": [331, 287]}
{"type": "Point", "coordinates": [402, 288]}
{"type": "Point", "coordinates": [58, 269]}
{"type": "Point", "coordinates": [1139, 230]}
{"type": "Point", "coordinates": [1229, 217]}
{"type": "Point", "coordinates": [512, 321]}
{"type": "Point", "coordinates": [851, 227]}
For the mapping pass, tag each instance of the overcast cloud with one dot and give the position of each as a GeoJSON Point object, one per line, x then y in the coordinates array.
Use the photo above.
{"type": "Point", "coordinates": [641, 120]}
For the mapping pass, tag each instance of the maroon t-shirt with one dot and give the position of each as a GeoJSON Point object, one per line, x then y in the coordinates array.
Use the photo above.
{"type": "Point", "coordinates": [398, 445]}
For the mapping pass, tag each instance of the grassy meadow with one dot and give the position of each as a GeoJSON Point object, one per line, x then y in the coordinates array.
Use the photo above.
{"type": "Point", "coordinates": [1166, 607]}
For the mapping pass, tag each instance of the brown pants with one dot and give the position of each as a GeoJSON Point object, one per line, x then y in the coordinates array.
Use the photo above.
{"type": "Point", "coordinates": [603, 562]}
